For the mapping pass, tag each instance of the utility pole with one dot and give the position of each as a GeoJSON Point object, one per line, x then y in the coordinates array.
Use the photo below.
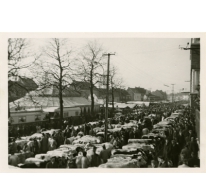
{"type": "Point", "coordinates": [107, 96]}
{"type": "Point", "coordinates": [172, 92]}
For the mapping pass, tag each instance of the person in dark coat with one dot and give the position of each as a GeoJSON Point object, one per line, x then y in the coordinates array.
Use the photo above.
{"type": "Point", "coordinates": [189, 136]}
{"type": "Point", "coordinates": [193, 146]}
{"type": "Point", "coordinates": [194, 161]}
{"type": "Point", "coordinates": [95, 158]}
{"type": "Point", "coordinates": [44, 144]}
{"type": "Point", "coordinates": [91, 131]}
{"type": "Point", "coordinates": [185, 154]}
{"type": "Point", "coordinates": [131, 134]}
{"type": "Point", "coordinates": [174, 153]}
{"type": "Point", "coordinates": [166, 149]}
{"type": "Point", "coordinates": [52, 163]}
{"type": "Point", "coordinates": [67, 132]}
{"type": "Point", "coordinates": [181, 140]}
{"type": "Point", "coordinates": [36, 146]}
{"type": "Point", "coordinates": [126, 135]}
{"type": "Point", "coordinates": [162, 162]}
{"type": "Point", "coordinates": [136, 134]}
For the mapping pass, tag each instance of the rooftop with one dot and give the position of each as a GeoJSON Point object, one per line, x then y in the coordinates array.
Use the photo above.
{"type": "Point", "coordinates": [54, 91]}
{"type": "Point", "coordinates": [137, 90]}
{"type": "Point", "coordinates": [28, 102]}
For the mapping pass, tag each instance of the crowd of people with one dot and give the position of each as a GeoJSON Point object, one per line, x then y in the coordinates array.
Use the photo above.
{"type": "Point", "coordinates": [178, 147]}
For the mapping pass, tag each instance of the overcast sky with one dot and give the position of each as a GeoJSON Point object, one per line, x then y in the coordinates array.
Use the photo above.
{"type": "Point", "coordinates": [146, 62]}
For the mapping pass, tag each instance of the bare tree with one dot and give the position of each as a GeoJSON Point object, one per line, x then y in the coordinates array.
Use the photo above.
{"type": "Point", "coordinates": [115, 82]}
{"type": "Point", "coordinates": [16, 52]}
{"type": "Point", "coordinates": [92, 67]}
{"type": "Point", "coordinates": [20, 58]}
{"type": "Point", "coordinates": [55, 69]}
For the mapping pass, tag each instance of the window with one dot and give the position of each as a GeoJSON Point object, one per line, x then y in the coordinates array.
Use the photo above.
{"type": "Point", "coordinates": [22, 119]}
{"type": "Point", "coordinates": [37, 117]}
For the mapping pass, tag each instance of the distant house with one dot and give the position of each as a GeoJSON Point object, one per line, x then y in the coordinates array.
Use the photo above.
{"type": "Point", "coordinates": [83, 88]}
{"type": "Point", "coordinates": [151, 97]}
{"type": "Point", "coordinates": [123, 94]}
{"type": "Point", "coordinates": [20, 87]}
{"type": "Point", "coordinates": [137, 93]}
{"type": "Point", "coordinates": [159, 93]}
{"type": "Point", "coordinates": [53, 91]}
{"type": "Point", "coordinates": [120, 95]}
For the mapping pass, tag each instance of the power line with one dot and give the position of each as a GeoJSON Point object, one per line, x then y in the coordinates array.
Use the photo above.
{"type": "Point", "coordinates": [135, 65]}
{"type": "Point", "coordinates": [164, 50]}
{"type": "Point", "coordinates": [147, 73]}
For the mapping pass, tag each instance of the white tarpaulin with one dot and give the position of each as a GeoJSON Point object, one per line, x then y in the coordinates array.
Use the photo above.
{"type": "Point", "coordinates": [50, 109]}
{"type": "Point", "coordinates": [140, 103]}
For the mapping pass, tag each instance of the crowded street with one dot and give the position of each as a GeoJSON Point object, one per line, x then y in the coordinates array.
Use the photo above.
{"type": "Point", "coordinates": [158, 136]}
{"type": "Point", "coordinates": [95, 108]}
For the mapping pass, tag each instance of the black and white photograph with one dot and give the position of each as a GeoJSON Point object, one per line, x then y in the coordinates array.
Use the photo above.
{"type": "Point", "coordinates": [103, 102]}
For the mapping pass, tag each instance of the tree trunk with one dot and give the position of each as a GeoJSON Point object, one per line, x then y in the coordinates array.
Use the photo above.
{"type": "Point", "coordinates": [61, 103]}
{"type": "Point", "coordinates": [112, 100]}
{"type": "Point", "coordinates": [92, 100]}
{"type": "Point", "coordinates": [61, 96]}
{"type": "Point", "coordinates": [91, 90]}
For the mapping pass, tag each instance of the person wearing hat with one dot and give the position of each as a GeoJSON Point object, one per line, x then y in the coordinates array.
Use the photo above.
{"type": "Point", "coordinates": [84, 160]}
{"type": "Point", "coordinates": [13, 159]}
{"type": "Point", "coordinates": [31, 145]}
{"type": "Point", "coordinates": [105, 154]}
{"type": "Point", "coordinates": [13, 145]}
{"type": "Point", "coordinates": [44, 143]}
{"type": "Point", "coordinates": [52, 144]}
{"type": "Point", "coordinates": [25, 148]}
{"type": "Point", "coordinates": [154, 164]}
{"type": "Point", "coordinates": [71, 161]}
{"type": "Point", "coordinates": [162, 162]}
{"type": "Point", "coordinates": [79, 159]}
{"type": "Point", "coordinates": [95, 158]}
{"type": "Point", "coordinates": [62, 162]}
{"type": "Point", "coordinates": [35, 146]}
{"type": "Point", "coordinates": [66, 140]}
{"type": "Point", "coordinates": [140, 159]}
{"type": "Point", "coordinates": [194, 161]}
{"type": "Point", "coordinates": [52, 163]}
{"type": "Point", "coordinates": [184, 164]}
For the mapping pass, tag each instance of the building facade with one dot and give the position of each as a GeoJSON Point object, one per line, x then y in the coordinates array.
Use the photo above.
{"type": "Point", "coordinates": [137, 93]}
{"type": "Point", "coordinates": [195, 81]}
{"type": "Point", "coordinates": [19, 87]}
